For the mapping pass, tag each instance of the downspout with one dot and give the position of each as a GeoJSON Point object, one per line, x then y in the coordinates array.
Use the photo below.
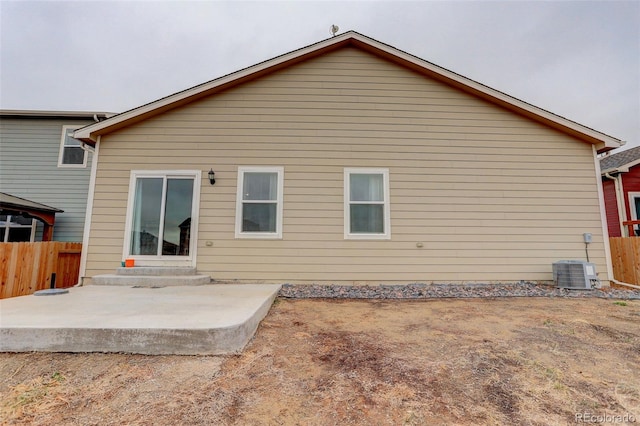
{"type": "Point", "coordinates": [620, 283]}
{"type": "Point", "coordinates": [84, 145]}
{"type": "Point", "coordinates": [88, 213]}
{"type": "Point", "coordinates": [622, 211]}
{"type": "Point", "coordinates": [603, 215]}
{"type": "Point", "coordinates": [87, 147]}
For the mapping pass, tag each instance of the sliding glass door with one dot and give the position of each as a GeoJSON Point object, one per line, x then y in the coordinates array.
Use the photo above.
{"type": "Point", "coordinates": [161, 218]}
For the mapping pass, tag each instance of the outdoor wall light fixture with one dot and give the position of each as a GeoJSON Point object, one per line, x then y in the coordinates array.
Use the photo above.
{"type": "Point", "coordinates": [212, 178]}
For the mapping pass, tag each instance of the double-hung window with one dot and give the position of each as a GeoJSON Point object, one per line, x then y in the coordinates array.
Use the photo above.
{"type": "Point", "coordinates": [71, 152]}
{"type": "Point", "coordinates": [259, 202]}
{"type": "Point", "coordinates": [366, 204]}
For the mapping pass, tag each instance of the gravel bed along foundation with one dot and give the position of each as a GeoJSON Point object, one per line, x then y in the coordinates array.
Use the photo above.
{"type": "Point", "coordinates": [429, 291]}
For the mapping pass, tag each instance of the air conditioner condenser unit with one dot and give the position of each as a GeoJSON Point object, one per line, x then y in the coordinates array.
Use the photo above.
{"type": "Point", "coordinates": [575, 274]}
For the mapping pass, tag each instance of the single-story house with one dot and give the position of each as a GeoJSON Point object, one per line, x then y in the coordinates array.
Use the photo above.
{"type": "Point", "coordinates": [621, 184]}
{"type": "Point", "coordinates": [347, 161]}
{"type": "Point", "coordinates": [44, 175]}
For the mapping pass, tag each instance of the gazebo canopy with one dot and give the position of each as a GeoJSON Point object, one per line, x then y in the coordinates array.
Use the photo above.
{"type": "Point", "coordinates": [12, 205]}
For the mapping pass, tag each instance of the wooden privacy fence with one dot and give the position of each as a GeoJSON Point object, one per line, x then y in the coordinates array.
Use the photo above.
{"type": "Point", "coordinates": [28, 267]}
{"type": "Point", "coordinates": [625, 259]}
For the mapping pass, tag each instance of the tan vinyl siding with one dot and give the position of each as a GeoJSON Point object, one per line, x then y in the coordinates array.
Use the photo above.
{"type": "Point", "coordinates": [492, 196]}
{"type": "Point", "coordinates": [29, 149]}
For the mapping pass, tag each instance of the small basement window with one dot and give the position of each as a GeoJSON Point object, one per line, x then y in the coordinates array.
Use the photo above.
{"type": "Point", "coordinates": [71, 152]}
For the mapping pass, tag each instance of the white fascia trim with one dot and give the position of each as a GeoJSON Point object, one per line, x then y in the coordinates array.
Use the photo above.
{"type": "Point", "coordinates": [614, 170]}
{"type": "Point", "coordinates": [89, 212]}
{"type": "Point", "coordinates": [279, 200]}
{"type": "Point", "coordinates": [603, 213]}
{"type": "Point", "coordinates": [625, 167]}
{"type": "Point", "coordinates": [609, 141]}
{"type": "Point", "coordinates": [85, 132]}
{"type": "Point", "coordinates": [44, 113]}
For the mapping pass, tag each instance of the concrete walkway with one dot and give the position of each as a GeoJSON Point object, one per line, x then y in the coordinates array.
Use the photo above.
{"type": "Point", "coordinates": [190, 320]}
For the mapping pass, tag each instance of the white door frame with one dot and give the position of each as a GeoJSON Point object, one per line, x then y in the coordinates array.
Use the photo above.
{"type": "Point", "coordinates": [632, 207]}
{"type": "Point", "coordinates": [148, 260]}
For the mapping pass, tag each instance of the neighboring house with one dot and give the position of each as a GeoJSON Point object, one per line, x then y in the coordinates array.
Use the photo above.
{"type": "Point", "coordinates": [347, 161]}
{"type": "Point", "coordinates": [621, 184]}
{"type": "Point", "coordinates": [43, 171]}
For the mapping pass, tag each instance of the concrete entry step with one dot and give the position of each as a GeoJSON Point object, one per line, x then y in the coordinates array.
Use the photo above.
{"type": "Point", "coordinates": [203, 320]}
{"type": "Point", "coordinates": [157, 271]}
{"type": "Point", "coordinates": [150, 280]}
{"type": "Point", "coordinates": [146, 276]}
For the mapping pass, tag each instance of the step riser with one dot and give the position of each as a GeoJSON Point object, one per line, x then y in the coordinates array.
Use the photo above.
{"type": "Point", "coordinates": [151, 281]}
{"type": "Point", "coordinates": [157, 271]}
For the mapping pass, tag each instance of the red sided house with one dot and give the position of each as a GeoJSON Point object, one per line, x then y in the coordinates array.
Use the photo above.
{"type": "Point", "coordinates": [621, 185]}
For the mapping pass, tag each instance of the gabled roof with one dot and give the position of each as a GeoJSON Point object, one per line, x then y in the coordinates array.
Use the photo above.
{"type": "Point", "coordinates": [602, 141]}
{"type": "Point", "coordinates": [621, 161]}
{"type": "Point", "coordinates": [10, 205]}
{"type": "Point", "coordinates": [16, 204]}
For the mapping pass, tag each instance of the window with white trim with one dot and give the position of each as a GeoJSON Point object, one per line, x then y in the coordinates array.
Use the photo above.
{"type": "Point", "coordinates": [15, 229]}
{"type": "Point", "coordinates": [634, 207]}
{"type": "Point", "coordinates": [162, 215]}
{"type": "Point", "coordinates": [259, 202]}
{"type": "Point", "coordinates": [366, 204]}
{"type": "Point", "coordinates": [71, 152]}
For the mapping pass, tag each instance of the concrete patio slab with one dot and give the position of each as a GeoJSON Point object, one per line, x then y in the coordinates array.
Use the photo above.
{"type": "Point", "coordinates": [191, 320]}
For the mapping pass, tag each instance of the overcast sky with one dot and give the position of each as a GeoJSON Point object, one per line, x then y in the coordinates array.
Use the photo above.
{"type": "Point", "coordinates": [580, 60]}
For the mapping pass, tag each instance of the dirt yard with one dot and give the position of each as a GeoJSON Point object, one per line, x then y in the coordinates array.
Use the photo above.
{"type": "Point", "coordinates": [316, 362]}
